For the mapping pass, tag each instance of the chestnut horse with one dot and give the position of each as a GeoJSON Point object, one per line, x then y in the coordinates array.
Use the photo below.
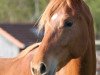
{"type": "Point", "coordinates": [19, 65]}
{"type": "Point", "coordinates": [68, 44]}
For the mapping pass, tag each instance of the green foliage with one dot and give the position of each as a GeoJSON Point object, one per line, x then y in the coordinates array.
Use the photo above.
{"type": "Point", "coordinates": [95, 8]}
{"type": "Point", "coordinates": [42, 6]}
{"type": "Point", "coordinates": [19, 10]}
{"type": "Point", "coordinates": [15, 10]}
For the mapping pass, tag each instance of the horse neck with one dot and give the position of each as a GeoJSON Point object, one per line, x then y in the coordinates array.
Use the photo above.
{"type": "Point", "coordinates": [91, 46]}
{"type": "Point", "coordinates": [10, 66]}
{"type": "Point", "coordinates": [25, 60]}
{"type": "Point", "coordinates": [19, 66]}
{"type": "Point", "coordinates": [5, 64]}
{"type": "Point", "coordinates": [89, 58]}
{"type": "Point", "coordinates": [88, 61]}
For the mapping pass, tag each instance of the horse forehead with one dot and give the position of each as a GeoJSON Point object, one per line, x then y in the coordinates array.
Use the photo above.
{"type": "Point", "coordinates": [56, 19]}
{"type": "Point", "coordinates": [58, 16]}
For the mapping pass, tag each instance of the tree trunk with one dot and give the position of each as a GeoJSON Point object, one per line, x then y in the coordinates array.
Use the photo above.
{"type": "Point", "coordinates": [37, 11]}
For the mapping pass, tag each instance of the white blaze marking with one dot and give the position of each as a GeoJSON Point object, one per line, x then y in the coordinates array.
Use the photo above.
{"type": "Point", "coordinates": [54, 16]}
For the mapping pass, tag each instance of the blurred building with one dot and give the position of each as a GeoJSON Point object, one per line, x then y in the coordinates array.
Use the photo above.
{"type": "Point", "coordinates": [14, 38]}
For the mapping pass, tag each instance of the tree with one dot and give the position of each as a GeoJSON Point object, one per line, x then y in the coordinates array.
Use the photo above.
{"type": "Point", "coordinates": [39, 6]}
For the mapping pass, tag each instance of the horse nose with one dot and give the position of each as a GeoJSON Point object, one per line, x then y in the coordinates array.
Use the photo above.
{"type": "Point", "coordinates": [43, 69]}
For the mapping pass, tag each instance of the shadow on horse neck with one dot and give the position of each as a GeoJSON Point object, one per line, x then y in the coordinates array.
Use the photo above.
{"type": "Point", "coordinates": [19, 65]}
{"type": "Point", "coordinates": [68, 45]}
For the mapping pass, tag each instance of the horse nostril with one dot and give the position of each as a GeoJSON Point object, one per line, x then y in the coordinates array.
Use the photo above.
{"type": "Point", "coordinates": [42, 68]}
{"type": "Point", "coordinates": [33, 70]}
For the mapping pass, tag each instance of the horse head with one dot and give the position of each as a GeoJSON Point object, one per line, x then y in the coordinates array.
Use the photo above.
{"type": "Point", "coordinates": [66, 36]}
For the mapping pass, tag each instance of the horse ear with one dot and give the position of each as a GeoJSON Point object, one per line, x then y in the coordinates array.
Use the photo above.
{"type": "Point", "coordinates": [75, 5]}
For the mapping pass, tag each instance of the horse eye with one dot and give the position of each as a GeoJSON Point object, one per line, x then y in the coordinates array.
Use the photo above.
{"type": "Point", "coordinates": [68, 23]}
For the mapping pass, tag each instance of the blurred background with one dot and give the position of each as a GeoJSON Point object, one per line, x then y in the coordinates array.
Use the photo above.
{"type": "Point", "coordinates": [17, 24]}
{"type": "Point", "coordinates": [17, 20]}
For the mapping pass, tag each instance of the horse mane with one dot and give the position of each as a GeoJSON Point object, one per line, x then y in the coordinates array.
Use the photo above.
{"type": "Point", "coordinates": [89, 20]}
{"type": "Point", "coordinates": [55, 5]}
{"type": "Point", "coordinates": [28, 49]}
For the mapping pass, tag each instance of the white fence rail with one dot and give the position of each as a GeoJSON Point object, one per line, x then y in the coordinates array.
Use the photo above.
{"type": "Point", "coordinates": [97, 42]}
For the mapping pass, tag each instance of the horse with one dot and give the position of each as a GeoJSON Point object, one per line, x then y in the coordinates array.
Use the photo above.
{"type": "Point", "coordinates": [20, 65]}
{"type": "Point", "coordinates": [68, 44]}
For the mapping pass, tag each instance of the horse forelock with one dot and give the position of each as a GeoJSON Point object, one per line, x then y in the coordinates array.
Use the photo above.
{"type": "Point", "coordinates": [55, 5]}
